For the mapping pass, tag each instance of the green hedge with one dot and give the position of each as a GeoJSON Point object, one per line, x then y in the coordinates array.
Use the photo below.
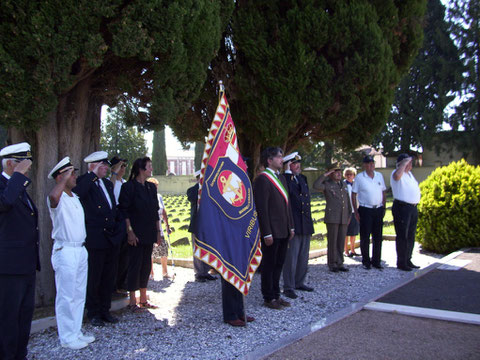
{"type": "Point", "coordinates": [449, 210]}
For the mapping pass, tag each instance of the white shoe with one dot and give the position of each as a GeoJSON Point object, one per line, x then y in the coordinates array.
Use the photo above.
{"type": "Point", "coordinates": [86, 338]}
{"type": "Point", "coordinates": [75, 345]}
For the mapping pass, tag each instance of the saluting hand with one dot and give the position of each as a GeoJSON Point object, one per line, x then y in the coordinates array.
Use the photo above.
{"type": "Point", "coordinates": [23, 166]}
{"type": "Point", "coordinates": [66, 174]}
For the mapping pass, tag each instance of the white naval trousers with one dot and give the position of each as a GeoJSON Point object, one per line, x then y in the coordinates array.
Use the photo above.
{"type": "Point", "coordinates": [71, 267]}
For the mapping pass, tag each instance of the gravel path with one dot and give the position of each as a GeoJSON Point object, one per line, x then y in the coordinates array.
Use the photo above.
{"type": "Point", "coordinates": [189, 324]}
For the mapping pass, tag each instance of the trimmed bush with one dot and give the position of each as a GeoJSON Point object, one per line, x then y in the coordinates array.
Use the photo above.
{"type": "Point", "coordinates": [449, 210]}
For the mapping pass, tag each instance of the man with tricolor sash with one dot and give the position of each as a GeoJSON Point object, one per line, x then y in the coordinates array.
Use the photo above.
{"type": "Point", "coordinates": [276, 224]}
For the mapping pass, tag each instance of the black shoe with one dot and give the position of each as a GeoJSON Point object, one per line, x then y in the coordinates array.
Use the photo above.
{"type": "Point", "coordinates": [343, 268]}
{"type": "Point", "coordinates": [209, 277]}
{"type": "Point", "coordinates": [404, 268]}
{"type": "Point", "coordinates": [290, 294]}
{"type": "Point", "coordinates": [410, 264]}
{"type": "Point", "coordinates": [334, 269]}
{"type": "Point", "coordinates": [379, 267]}
{"type": "Point", "coordinates": [367, 267]}
{"type": "Point", "coordinates": [96, 321]}
{"type": "Point", "coordinates": [273, 304]}
{"type": "Point", "coordinates": [109, 318]}
{"type": "Point", "coordinates": [200, 279]}
{"type": "Point", "coordinates": [304, 288]}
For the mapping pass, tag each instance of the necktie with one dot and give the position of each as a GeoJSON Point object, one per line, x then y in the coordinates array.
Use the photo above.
{"type": "Point", "coordinates": [103, 193]}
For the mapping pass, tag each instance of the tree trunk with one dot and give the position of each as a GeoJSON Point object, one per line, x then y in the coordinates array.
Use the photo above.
{"type": "Point", "coordinates": [328, 153]}
{"type": "Point", "coordinates": [199, 150]}
{"type": "Point", "coordinates": [73, 129]}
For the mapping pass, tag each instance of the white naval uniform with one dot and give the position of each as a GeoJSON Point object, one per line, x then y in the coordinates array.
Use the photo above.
{"type": "Point", "coordinates": [69, 261]}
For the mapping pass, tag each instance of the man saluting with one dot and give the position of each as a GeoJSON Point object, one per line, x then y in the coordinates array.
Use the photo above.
{"type": "Point", "coordinates": [18, 252]}
{"type": "Point", "coordinates": [105, 232]}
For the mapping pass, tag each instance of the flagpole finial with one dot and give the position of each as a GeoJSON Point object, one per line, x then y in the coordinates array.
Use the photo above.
{"type": "Point", "coordinates": [221, 89]}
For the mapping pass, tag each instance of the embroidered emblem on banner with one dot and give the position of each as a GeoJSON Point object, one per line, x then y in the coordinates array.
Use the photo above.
{"type": "Point", "coordinates": [226, 187]}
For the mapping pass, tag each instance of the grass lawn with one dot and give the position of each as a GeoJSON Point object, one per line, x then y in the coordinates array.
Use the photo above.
{"type": "Point", "coordinates": [178, 210]}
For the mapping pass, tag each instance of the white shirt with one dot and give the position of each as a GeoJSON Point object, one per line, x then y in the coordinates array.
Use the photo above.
{"type": "Point", "coordinates": [161, 205]}
{"type": "Point", "coordinates": [406, 188]}
{"type": "Point", "coordinates": [105, 191]}
{"type": "Point", "coordinates": [369, 191]}
{"type": "Point", "coordinates": [68, 219]}
{"type": "Point", "coordinates": [6, 175]}
{"type": "Point", "coordinates": [117, 186]}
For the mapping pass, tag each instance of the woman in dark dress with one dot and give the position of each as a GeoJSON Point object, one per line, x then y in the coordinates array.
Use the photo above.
{"type": "Point", "coordinates": [139, 204]}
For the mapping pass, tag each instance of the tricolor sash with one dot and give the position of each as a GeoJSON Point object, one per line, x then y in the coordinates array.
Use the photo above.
{"type": "Point", "coordinates": [276, 182]}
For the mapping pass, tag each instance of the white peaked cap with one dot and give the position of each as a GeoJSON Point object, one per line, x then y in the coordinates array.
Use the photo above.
{"type": "Point", "coordinates": [57, 169]}
{"type": "Point", "coordinates": [97, 156]}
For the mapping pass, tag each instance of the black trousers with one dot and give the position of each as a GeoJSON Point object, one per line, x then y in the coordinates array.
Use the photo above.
{"type": "Point", "coordinates": [101, 276]}
{"type": "Point", "coordinates": [17, 301]}
{"type": "Point", "coordinates": [139, 266]}
{"type": "Point", "coordinates": [371, 222]}
{"type": "Point", "coordinates": [122, 266]}
{"type": "Point", "coordinates": [272, 260]}
{"type": "Point", "coordinates": [405, 217]}
{"type": "Point", "coordinates": [232, 301]}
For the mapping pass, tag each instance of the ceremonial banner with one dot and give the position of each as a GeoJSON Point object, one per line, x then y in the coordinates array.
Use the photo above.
{"type": "Point", "coordinates": [227, 233]}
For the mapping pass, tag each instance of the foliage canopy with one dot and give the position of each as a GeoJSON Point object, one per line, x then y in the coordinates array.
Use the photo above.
{"type": "Point", "coordinates": [312, 69]}
{"type": "Point", "coordinates": [151, 54]}
{"type": "Point", "coordinates": [121, 140]}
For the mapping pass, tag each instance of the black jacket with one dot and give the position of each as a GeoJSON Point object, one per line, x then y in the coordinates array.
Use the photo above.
{"type": "Point", "coordinates": [105, 226]}
{"type": "Point", "coordinates": [18, 227]}
{"type": "Point", "coordinates": [300, 203]}
{"type": "Point", "coordinates": [139, 203]}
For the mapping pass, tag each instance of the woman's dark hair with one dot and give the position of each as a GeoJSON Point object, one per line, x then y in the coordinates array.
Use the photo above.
{"type": "Point", "coordinates": [269, 153]}
{"type": "Point", "coordinates": [139, 164]}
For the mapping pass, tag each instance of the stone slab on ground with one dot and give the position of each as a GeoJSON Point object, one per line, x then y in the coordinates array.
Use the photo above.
{"type": "Point", "coordinates": [376, 335]}
{"type": "Point", "coordinates": [453, 290]}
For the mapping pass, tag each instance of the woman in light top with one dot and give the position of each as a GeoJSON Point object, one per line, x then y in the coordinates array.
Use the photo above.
{"type": "Point", "coordinates": [162, 249]}
{"type": "Point", "coordinates": [353, 227]}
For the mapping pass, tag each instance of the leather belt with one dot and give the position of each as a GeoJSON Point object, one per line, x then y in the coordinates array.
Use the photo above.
{"type": "Point", "coordinates": [70, 244]}
{"type": "Point", "coordinates": [372, 206]}
{"type": "Point", "coordinates": [400, 202]}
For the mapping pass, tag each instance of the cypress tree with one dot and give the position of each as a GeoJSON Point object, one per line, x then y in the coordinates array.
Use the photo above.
{"type": "Point", "coordinates": [424, 93]}
{"type": "Point", "coordinates": [465, 15]}
{"type": "Point", "coordinates": [321, 70]}
{"type": "Point", "coordinates": [159, 153]}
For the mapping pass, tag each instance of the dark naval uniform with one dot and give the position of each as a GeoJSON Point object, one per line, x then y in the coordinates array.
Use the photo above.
{"type": "Point", "coordinates": [18, 263]}
{"type": "Point", "coordinates": [296, 262]}
{"type": "Point", "coordinates": [105, 231]}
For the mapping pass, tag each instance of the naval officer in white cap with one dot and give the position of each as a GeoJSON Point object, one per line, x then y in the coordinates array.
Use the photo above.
{"type": "Point", "coordinates": [69, 256]}
{"type": "Point", "coordinates": [295, 267]}
{"type": "Point", "coordinates": [105, 231]}
{"type": "Point", "coordinates": [18, 252]}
